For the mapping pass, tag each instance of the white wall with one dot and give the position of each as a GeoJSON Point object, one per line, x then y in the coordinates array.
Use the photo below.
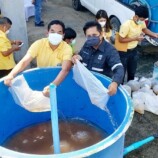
{"type": "Point", "coordinates": [14, 10]}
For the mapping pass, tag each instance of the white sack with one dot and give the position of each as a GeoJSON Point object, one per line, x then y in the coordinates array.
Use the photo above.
{"type": "Point", "coordinates": [128, 89]}
{"type": "Point", "coordinates": [150, 101]}
{"type": "Point", "coordinates": [138, 101]}
{"type": "Point", "coordinates": [98, 94]}
{"type": "Point", "coordinates": [24, 96]}
{"type": "Point", "coordinates": [135, 85]}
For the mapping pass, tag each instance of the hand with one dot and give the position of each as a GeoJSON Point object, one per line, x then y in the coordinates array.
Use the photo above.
{"type": "Point", "coordinates": [46, 91]}
{"type": "Point", "coordinates": [33, 1]}
{"type": "Point", "coordinates": [156, 35]}
{"type": "Point", "coordinates": [139, 38]}
{"type": "Point", "coordinates": [17, 42]}
{"type": "Point", "coordinates": [75, 57]}
{"type": "Point", "coordinates": [8, 80]}
{"type": "Point", "coordinates": [112, 88]}
{"type": "Point", "coordinates": [16, 48]}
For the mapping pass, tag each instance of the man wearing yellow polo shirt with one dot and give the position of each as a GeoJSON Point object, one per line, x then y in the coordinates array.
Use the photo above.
{"type": "Point", "coordinates": [7, 47]}
{"type": "Point", "coordinates": [50, 51]}
{"type": "Point", "coordinates": [131, 33]}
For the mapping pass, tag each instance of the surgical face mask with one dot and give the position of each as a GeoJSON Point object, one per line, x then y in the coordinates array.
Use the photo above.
{"type": "Point", "coordinates": [73, 42]}
{"type": "Point", "coordinates": [139, 22]}
{"type": "Point", "coordinates": [93, 41]}
{"type": "Point", "coordinates": [7, 32]}
{"type": "Point", "coordinates": [103, 23]}
{"type": "Point", "coordinates": [55, 38]}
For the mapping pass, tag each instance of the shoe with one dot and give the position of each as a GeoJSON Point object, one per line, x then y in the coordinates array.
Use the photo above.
{"type": "Point", "coordinates": [41, 24]}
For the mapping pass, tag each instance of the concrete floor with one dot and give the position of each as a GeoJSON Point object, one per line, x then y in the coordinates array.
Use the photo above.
{"type": "Point", "coordinates": [142, 126]}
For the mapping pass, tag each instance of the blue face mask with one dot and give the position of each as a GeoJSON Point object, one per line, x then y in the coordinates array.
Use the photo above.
{"type": "Point", "coordinates": [92, 41]}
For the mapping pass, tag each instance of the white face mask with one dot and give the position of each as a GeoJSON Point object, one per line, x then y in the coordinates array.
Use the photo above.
{"type": "Point", "coordinates": [103, 23]}
{"type": "Point", "coordinates": [7, 32]}
{"type": "Point", "coordinates": [73, 42]}
{"type": "Point", "coordinates": [55, 38]}
{"type": "Point", "coordinates": [139, 22]}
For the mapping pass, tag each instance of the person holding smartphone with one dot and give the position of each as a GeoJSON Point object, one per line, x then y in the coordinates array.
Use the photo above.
{"type": "Point", "coordinates": [131, 32]}
{"type": "Point", "coordinates": [7, 47]}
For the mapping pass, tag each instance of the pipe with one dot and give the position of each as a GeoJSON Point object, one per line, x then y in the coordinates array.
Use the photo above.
{"type": "Point", "coordinates": [54, 119]}
{"type": "Point", "coordinates": [138, 144]}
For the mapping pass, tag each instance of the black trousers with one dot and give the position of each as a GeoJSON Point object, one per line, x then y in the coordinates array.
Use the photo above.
{"type": "Point", "coordinates": [129, 61]}
{"type": "Point", "coordinates": [4, 72]}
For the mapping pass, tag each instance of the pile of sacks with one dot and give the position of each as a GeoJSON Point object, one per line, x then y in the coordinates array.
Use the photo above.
{"type": "Point", "coordinates": [144, 93]}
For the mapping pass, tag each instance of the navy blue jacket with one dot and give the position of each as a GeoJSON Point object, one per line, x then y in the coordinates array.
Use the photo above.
{"type": "Point", "coordinates": [104, 60]}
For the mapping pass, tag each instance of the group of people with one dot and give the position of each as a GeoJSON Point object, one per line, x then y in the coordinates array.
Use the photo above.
{"type": "Point", "coordinates": [97, 53]}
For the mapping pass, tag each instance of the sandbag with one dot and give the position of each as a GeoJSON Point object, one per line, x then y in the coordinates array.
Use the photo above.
{"type": "Point", "coordinates": [135, 85]}
{"type": "Point", "coordinates": [150, 101]}
{"type": "Point", "coordinates": [145, 82]}
{"type": "Point", "coordinates": [25, 97]}
{"type": "Point", "coordinates": [98, 94]}
{"type": "Point", "coordinates": [128, 89]}
{"type": "Point", "coordinates": [155, 89]}
{"type": "Point", "coordinates": [138, 102]}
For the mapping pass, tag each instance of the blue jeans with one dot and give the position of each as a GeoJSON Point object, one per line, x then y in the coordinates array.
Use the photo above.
{"type": "Point", "coordinates": [38, 6]}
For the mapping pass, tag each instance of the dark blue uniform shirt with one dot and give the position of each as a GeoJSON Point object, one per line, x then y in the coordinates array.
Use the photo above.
{"type": "Point", "coordinates": [104, 60]}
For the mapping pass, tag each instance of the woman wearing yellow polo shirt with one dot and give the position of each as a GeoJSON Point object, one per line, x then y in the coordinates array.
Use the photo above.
{"type": "Point", "coordinates": [103, 20]}
{"type": "Point", "coordinates": [7, 47]}
{"type": "Point", "coordinates": [131, 33]}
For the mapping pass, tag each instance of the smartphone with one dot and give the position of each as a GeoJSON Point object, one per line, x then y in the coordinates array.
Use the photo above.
{"type": "Point", "coordinates": [21, 45]}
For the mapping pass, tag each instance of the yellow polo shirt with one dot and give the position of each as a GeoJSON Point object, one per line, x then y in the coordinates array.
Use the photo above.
{"type": "Point", "coordinates": [7, 62]}
{"type": "Point", "coordinates": [45, 56]}
{"type": "Point", "coordinates": [130, 29]}
{"type": "Point", "coordinates": [106, 35]}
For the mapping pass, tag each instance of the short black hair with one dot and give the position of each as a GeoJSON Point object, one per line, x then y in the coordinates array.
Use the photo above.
{"type": "Point", "coordinates": [8, 20]}
{"type": "Point", "coordinates": [56, 22]}
{"type": "Point", "coordinates": [69, 33]}
{"type": "Point", "coordinates": [92, 24]}
{"type": "Point", "coordinates": [5, 20]}
{"type": "Point", "coordinates": [141, 11]}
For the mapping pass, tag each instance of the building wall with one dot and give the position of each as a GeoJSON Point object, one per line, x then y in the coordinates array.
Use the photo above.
{"type": "Point", "coordinates": [14, 9]}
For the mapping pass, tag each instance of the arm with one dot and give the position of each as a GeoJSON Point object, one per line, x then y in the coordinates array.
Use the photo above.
{"type": "Point", "coordinates": [127, 39]}
{"type": "Point", "coordinates": [18, 68]}
{"type": "Point", "coordinates": [123, 33]}
{"type": "Point", "coordinates": [116, 80]}
{"type": "Point", "coordinates": [66, 66]}
{"type": "Point", "coordinates": [10, 51]}
{"type": "Point", "coordinates": [150, 33]}
{"type": "Point", "coordinates": [118, 71]}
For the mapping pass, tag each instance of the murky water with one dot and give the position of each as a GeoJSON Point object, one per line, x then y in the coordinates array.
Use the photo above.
{"type": "Point", "coordinates": [37, 139]}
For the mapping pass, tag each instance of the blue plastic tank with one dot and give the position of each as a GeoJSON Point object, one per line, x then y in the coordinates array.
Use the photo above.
{"type": "Point", "coordinates": [73, 102]}
{"type": "Point", "coordinates": [153, 11]}
{"type": "Point", "coordinates": [153, 7]}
